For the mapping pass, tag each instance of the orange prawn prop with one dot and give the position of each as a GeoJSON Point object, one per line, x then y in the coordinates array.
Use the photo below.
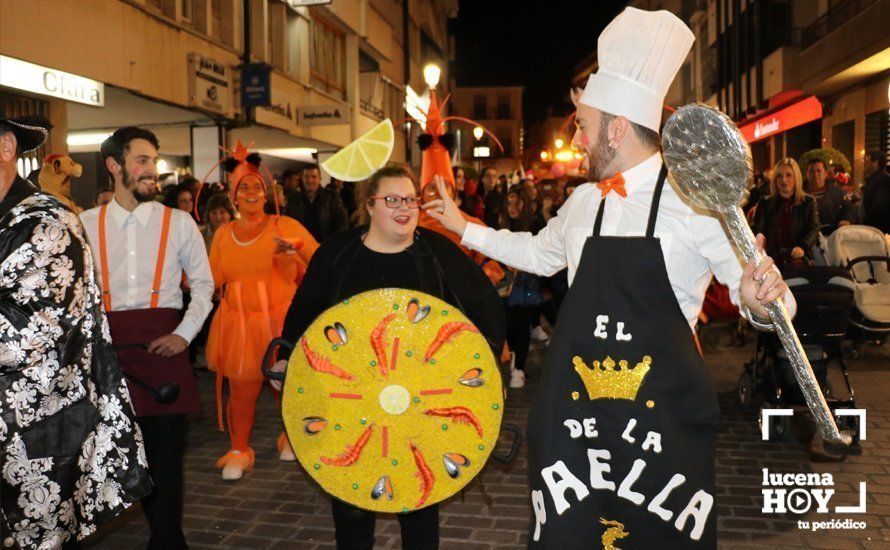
{"type": "Point", "coordinates": [447, 333]}
{"type": "Point", "coordinates": [352, 453]}
{"type": "Point", "coordinates": [427, 479]}
{"type": "Point", "coordinates": [458, 415]}
{"type": "Point", "coordinates": [320, 363]}
{"type": "Point", "coordinates": [378, 343]}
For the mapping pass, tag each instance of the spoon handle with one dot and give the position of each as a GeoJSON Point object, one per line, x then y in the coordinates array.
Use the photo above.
{"type": "Point", "coordinates": [742, 235]}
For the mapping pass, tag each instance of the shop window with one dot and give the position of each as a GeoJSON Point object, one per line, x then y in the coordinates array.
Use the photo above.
{"type": "Point", "coordinates": [327, 54]}
{"type": "Point", "coordinates": [480, 108]}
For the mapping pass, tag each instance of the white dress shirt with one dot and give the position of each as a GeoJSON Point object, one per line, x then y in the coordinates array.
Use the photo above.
{"type": "Point", "coordinates": [132, 240]}
{"type": "Point", "coordinates": [695, 244]}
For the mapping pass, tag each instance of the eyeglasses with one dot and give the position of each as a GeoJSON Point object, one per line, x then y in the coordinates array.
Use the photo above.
{"type": "Point", "coordinates": [395, 201]}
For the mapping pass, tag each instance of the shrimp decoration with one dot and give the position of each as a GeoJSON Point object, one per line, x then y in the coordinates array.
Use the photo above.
{"type": "Point", "coordinates": [458, 415]}
{"type": "Point", "coordinates": [320, 363]}
{"type": "Point", "coordinates": [378, 343]}
{"type": "Point", "coordinates": [427, 479]}
{"type": "Point", "coordinates": [352, 453]}
{"type": "Point", "coordinates": [447, 333]}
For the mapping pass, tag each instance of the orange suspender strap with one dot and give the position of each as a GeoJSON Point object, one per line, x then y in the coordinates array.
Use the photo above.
{"type": "Point", "coordinates": [162, 253]}
{"type": "Point", "coordinates": [103, 259]}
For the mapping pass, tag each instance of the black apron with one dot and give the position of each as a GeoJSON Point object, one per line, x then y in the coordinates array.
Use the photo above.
{"type": "Point", "coordinates": [598, 476]}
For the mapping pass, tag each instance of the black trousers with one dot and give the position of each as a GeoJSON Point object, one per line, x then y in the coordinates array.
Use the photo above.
{"type": "Point", "coordinates": [164, 447]}
{"type": "Point", "coordinates": [355, 527]}
{"type": "Point", "coordinates": [518, 323]}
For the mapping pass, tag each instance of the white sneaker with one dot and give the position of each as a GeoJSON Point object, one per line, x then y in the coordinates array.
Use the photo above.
{"type": "Point", "coordinates": [287, 455]}
{"type": "Point", "coordinates": [517, 379]}
{"type": "Point", "coordinates": [539, 334]}
{"type": "Point", "coordinates": [233, 470]}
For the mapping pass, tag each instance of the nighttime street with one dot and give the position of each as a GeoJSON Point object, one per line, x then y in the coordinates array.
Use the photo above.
{"type": "Point", "coordinates": [277, 507]}
{"type": "Point", "coordinates": [460, 274]}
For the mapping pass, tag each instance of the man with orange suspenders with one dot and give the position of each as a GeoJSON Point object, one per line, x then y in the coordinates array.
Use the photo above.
{"type": "Point", "coordinates": [143, 249]}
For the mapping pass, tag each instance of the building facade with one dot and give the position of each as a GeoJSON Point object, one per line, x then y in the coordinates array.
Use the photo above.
{"type": "Point", "coordinates": [176, 67]}
{"type": "Point", "coordinates": [794, 74]}
{"type": "Point", "coordinates": [798, 74]}
{"type": "Point", "coordinates": [498, 109]}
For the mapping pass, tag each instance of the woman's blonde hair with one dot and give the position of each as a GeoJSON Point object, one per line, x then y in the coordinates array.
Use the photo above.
{"type": "Point", "coordinates": [799, 194]}
{"type": "Point", "coordinates": [372, 186]}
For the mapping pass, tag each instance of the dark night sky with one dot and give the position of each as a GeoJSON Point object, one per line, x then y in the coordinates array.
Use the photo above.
{"type": "Point", "coordinates": [535, 44]}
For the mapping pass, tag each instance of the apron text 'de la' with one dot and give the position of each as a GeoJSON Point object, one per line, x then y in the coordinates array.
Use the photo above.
{"type": "Point", "coordinates": [622, 429]}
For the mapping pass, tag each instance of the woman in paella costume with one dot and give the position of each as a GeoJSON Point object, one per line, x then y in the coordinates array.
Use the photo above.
{"type": "Point", "coordinates": [256, 262]}
{"type": "Point", "coordinates": [395, 455]}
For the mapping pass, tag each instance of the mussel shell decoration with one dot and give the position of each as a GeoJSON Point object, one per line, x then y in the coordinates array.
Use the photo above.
{"type": "Point", "coordinates": [416, 312]}
{"type": "Point", "coordinates": [314, 424]}
{"type": "Point", "coordinates": [381, 488]}
{"type": "Point", "coordinates": [453, 463]}
{"type": "Point", "coordinates": [335, 334]}
{"type": "Point", "coordinates": [472, 378]}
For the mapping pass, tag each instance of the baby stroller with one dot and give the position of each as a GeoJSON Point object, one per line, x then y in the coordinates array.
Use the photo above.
{"type": "Point", "coordinates": [863, 251]}
{"type": "Point", "coordinates": [824, 298]}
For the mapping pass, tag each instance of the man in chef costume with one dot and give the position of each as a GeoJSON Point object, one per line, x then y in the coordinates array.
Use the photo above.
{"type": "Point", "coordinates": [623, 425]}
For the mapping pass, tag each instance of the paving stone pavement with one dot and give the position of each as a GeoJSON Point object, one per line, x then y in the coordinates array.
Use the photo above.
{"type": "Point", "coordinates": [276, 507]}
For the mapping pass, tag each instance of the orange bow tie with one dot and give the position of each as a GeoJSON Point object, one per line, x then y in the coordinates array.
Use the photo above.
{"type": "Point", "coordinates": [615, 183]}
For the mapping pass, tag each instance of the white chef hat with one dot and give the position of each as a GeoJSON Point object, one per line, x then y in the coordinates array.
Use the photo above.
{"type": "Point", "coordinates": [639, 55]}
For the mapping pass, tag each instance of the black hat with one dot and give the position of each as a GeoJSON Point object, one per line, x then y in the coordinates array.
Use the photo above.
{"type": "Point", "coordinates": [30, 131]}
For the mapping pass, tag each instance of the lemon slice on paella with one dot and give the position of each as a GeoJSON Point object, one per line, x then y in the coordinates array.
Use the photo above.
{"type": "Point", "coordinates": [364, 156]}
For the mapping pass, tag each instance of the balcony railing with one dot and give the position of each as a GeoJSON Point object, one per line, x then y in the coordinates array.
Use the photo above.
{"type": "Point", "coordinates": [833, 19]}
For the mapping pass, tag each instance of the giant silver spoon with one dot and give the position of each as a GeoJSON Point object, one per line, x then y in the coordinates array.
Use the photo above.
{"type": "Point", "coordinates": [709, 161]}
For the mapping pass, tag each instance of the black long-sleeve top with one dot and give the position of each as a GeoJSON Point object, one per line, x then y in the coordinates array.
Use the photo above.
{"type": "Point", "coordinates": [804, 224]}
{"type": "Point", "coordinates": [343, 266]}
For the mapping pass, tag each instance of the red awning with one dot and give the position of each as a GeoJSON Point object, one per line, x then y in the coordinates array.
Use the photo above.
{"type": "Point", "coordinates": [794, 115]}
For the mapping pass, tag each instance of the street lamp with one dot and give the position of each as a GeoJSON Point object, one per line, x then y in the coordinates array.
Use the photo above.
{"type": "Point", "coordinates": [544, 155]}
{"type": "Point", "coordinates": [477, 132]}
{"type": "Point", "coordinates": [559, 143]}
{"type": "Point", "coordinates": [431, 74]}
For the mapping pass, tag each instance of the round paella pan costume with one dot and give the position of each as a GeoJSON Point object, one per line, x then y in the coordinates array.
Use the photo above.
{"type": "Point", "coordinates": [394, 353]}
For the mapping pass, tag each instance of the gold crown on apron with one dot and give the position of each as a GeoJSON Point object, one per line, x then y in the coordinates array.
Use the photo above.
{"type": "Point", "coordinates": [604, 381]}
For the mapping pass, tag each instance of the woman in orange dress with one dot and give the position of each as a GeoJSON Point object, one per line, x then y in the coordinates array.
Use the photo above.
{"type": "Point", "coordinates": [257, 261]}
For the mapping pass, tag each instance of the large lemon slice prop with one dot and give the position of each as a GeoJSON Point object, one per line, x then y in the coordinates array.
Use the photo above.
{"type": "Point", "coordinates": [392, 400]}
{"type": "Point", "coordinates": [364, 156]}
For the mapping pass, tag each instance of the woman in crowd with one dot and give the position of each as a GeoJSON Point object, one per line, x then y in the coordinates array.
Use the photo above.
{"type": "Point", "coordinates": [389, 250]}
{"type": "Point", "coordinates": [523, 305]}
{"type": "Point", "coordinates": [219, 212]}
{"type": "Point", "coordinates": [788, 217]}
{"type": "Point", "coordinates": [256, 262]}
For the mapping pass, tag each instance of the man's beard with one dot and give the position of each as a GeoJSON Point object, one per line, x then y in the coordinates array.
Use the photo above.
{"type": "Point", "coordinates": [132, 184]}
{"type": "Point", "coordinates": [600, 155]}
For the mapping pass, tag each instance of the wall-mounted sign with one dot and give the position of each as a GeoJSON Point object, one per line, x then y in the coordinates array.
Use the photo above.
{"type": "Point", "coordinates": [795, 115]}
{"type": "Point", "coordinates": [317, 115]}
{"type": "Point", "coordinates": [210, 86]}
{"type": "Point", "coordinates": [281, 112]}
{"type": "Point", "coordinates": [37, 79]}
{"type": "Point", "coordinates": [256, 85]}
